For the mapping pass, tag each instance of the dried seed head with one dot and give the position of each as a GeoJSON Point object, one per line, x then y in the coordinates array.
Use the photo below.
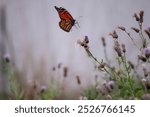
{"type": "Point", "coordinates": [140, 57]}
{"type": "Point", "coordinates": [147, 32]}
{"type": "Point", "coordinates": [131, 64]}
{"type": "Point", "coordinates": [141, 14]}
{"type": "Point", "coordinates": [121, 28]}
{"type": "Point", "coordinates": [136, 17]}
{"type": "Point", "coordinates": [114, 34]}
{"type": "Point", "coordinates": [103, 41]}
{"type": "Point", "coordinates": [65, 69]}
{"type": "Point", "coordinates": [123, 48]}
{"type": "Point", "coordinates": [135, 29]}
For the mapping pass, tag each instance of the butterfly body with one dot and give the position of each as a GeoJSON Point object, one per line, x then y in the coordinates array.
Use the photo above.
{"type": "Point", "coordinates": [67, 21]}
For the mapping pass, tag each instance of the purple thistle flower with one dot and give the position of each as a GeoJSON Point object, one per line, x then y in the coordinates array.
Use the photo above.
{"type": "Point", "coordinates": [146, 52]}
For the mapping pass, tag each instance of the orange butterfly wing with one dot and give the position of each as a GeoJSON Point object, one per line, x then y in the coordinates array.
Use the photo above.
{"type": "Point", "coordinates": [67, 20]}
{"type": "Point", "coordinates": [65, 25]}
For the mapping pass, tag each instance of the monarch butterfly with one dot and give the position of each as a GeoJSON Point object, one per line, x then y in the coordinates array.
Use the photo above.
{"type": "Point", "coordinates": [67, 21]}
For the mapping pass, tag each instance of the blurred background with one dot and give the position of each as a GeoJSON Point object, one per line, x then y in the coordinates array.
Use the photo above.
{"type": "Point", "coordinates": [31, 37]}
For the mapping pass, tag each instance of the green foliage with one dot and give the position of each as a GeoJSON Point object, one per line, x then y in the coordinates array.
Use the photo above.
{"type": "Point", "coordinates": [127, 78]}
{"type": "Point", "coordinates": [16, 91]}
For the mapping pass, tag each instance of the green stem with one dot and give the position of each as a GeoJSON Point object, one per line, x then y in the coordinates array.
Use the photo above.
{"type": "Point", "coordinates": [141, 35]}
{"type": "Point", "coordinates": [132, 40]}
{"type": "Point", "coordinates": [123, 58]}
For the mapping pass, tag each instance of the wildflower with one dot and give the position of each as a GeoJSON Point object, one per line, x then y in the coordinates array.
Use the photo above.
{"type": "Point", "coordinates": [146, 96]}
{"type": "Point", "coordinates": [86, 39]}
{"type": "Point", "coordinates": [43, 89]}
{"type": "Point", "coordinates": [84, 43]}
{"type": "Point", "coordinates": [145, 70]}
{"type": "Point", "coordinates": [140, 57]}
{"type": "Point", "coordinates": [111, 84]}
{"type": "Point", "coordinates": [135, 29]}
{"type": "Point", "coordinates": [65, 69]}
{"type": "Point", "coordinates": [103, 41]}
{"type": "Point", "coordinates": [147, 31]}
{"type": "Point", "coordinates": [141, 14]}
{"type": "Point", "coordinates": [78, 80]}
{"type": "Point", "coordinates": [114, 34]}
{"type": "Point", "coordinates": [146, 83]}
{"type": "Point", "coordinates": [131, 64]}
{"type": "Point", "coordinates": [121, 28]}
{"type": "Point", "coordinates": [118, 50]}
{"type": "Point", "coordinates": [6, 57]}
{"type": "Point", "coordinates": [123, 48]}
{"type": "Point", "coordinates": [148, 28]}
{"type": "Point", "coordinates": [146, 52]}
{"type": "Point", "coordinates": [136, 17]}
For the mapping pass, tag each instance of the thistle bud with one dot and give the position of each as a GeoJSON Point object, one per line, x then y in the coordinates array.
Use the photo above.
{"type": "Point", "coordinates": [145, 70]}
{"type": "Point", "coordinates": [123, 48]}
{"type": "Point", "coordinates": [86, 39]}
{"type": "Point", "coordinates": [118, 50]}
{"type": "Point", "coordinates": [147, 32]}
{"type": "Point", "coordinates": [43, 89]}
{"type": "Point", "coordinates": [141, 14]}
{"type": "Point", "coordinates": [121, 28]}
{"type": "Point", "coordinates": [65, 69]}
{"type": "Point", "coordinates": [136, 17]}
{"type": "Point", "coordinates": [140, 57]}
{"type": "Point", "coordinates": [103, 41]}
{"type": "Point", "coordinates": [131, 64]}
{"type": "Point", "coordinates": [114, 34]}
{"type": "Point", "coordinates": [135, 29]}
{"type": "Point", "coordinates": [146, 52]}
{"type": "Point", "coordinates": [78, 80]}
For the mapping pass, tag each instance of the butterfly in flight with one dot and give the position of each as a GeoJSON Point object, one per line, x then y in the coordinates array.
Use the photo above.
{"type": "Point", "coordinates": [67, 21]}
